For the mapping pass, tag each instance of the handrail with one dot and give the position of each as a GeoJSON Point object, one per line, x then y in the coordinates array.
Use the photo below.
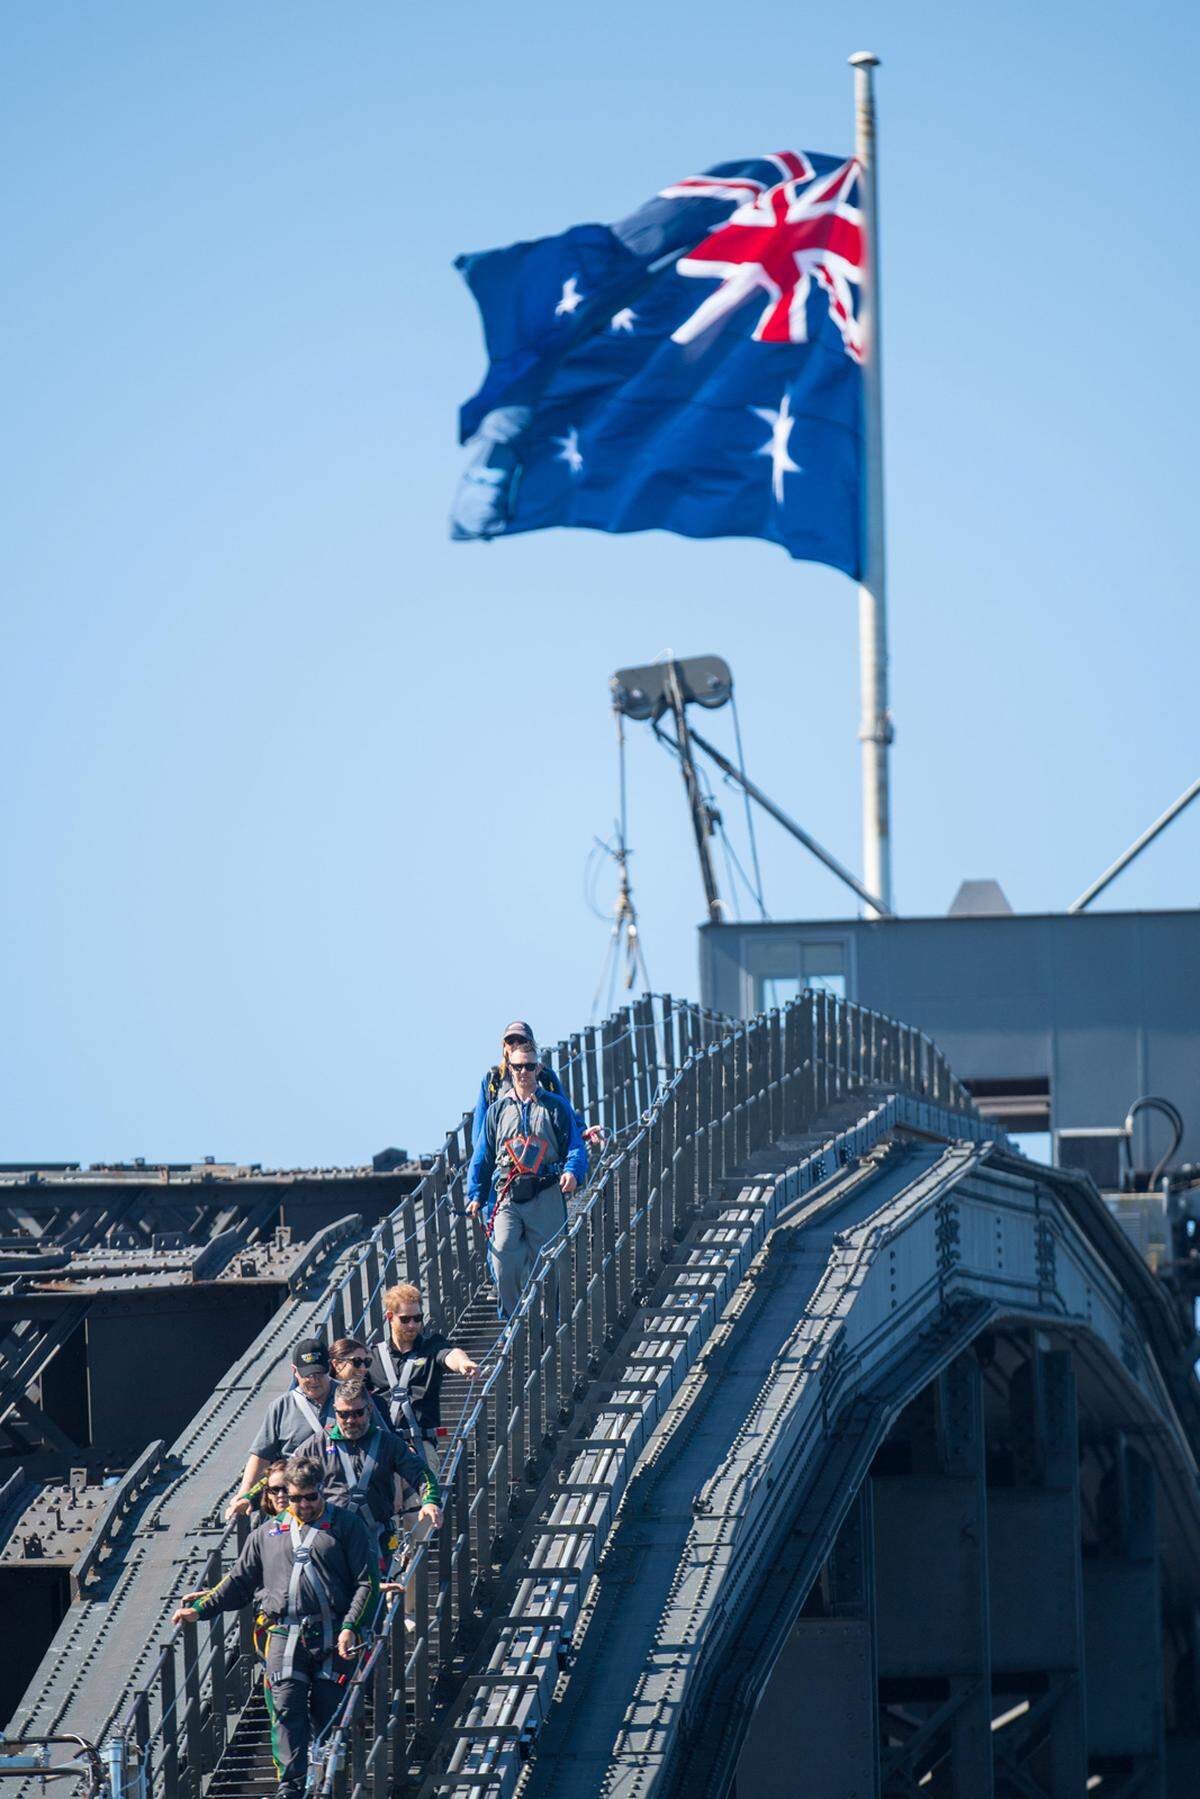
{"type": "Point", "coordinates": [684, 1095]}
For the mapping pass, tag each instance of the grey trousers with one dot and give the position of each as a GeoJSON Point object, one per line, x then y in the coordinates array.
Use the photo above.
{"type": "Point", "coordinates": [518, 1234]}
{"type": "Point", "coordinates": [299, 1705]}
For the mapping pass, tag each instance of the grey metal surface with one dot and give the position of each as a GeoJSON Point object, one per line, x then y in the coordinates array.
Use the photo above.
{"type": "Point", "coordinates": [871, 1263]}
{"type": "Point", "coordinates": [139, 1203]}
{"type": "Point", "coordinates": [666, 1556]}
{"type": "Point", "coordinates": [53, 1522]}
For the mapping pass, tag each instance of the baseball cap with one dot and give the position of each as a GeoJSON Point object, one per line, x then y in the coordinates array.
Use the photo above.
{"type": "Point", "coordinates": [518, 1028]}
{"type": "Point", "coordinates": [309, 1355]}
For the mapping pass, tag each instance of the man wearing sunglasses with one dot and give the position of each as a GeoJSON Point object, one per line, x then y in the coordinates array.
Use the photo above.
{"type": "Point", "coordinates": [529, 1158]}
{"type": "Point", "coordinates": [290, 1421]}
{"type": "Point", "coordinates": [407, 1364]}
{"type": "Point", "coordinates": [313, 1572]}
{"type": "Point", "coordinates": [357, 1459]}
{"type": "Point", "coordinates": [406, 1369]}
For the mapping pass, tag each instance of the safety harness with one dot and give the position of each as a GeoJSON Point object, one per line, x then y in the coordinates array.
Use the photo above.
{"type": "Point", "coordinates": [294, 1621]}
{"type": "Point", "coordinates": [357, 1485]}
{"type": "Point", "coordinates": [528, 1172]}
{"type": "Point", "coordinates": [399, 1383]}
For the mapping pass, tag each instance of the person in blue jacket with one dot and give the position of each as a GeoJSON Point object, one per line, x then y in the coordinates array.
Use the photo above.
{"type": "Point", "coordinates": [529, 1158]}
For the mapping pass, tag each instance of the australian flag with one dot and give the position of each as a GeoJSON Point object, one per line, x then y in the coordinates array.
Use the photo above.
{"type": "Point", "coordinates": [695, 367]}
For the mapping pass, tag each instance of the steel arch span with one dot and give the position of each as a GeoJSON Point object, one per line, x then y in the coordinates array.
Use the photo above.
{"type": "Point", "coordinates": [921, 1517]}
{"type": "Point", "coordinates": [832, 1448]}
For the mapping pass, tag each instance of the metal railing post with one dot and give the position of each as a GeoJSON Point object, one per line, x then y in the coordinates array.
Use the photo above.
{"type": "Point", "coordinates": [418, 1666]}
{"type": "Point", "coordinates": [170, 1725]}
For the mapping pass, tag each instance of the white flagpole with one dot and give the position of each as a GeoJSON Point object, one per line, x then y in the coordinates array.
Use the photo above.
{"type": "Point", "coordinates": [875, 722]}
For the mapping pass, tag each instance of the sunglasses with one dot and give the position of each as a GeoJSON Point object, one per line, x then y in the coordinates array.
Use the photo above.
{"type": "Point", "coordinates": [304, 1498]}
{"type": "Point", "coordinates": [358, 1412]}
{"type": "Point", "coordinates": [523, 1067]}
{"type": "Point", "coordinates": [516, 1040]}
{"type": "Point", "coordinates": [408, 1317]}
{"type": "Point", "coordinates": [277, 1490]}
{"type": "Point", "coordinates": [354, 1361]}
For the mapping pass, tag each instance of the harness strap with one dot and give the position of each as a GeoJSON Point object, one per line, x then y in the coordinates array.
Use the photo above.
{"type": "Point", "coordinates": [308, 1411]}
{"type": "Point", "coordinates": [401, 1403]}
{"type": "Point", "coordinates": [357, 1486]}
{"type": "Point", "coordinates": [304, 1568]}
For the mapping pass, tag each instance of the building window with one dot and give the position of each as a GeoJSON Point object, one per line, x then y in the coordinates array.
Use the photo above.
{"type": "Point", "coordinates": [823, 966]}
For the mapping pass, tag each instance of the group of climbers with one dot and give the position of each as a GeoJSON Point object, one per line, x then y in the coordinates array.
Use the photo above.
{"type": "Point", "coordinates": [347, 1458]}
{"type": "Point", "coordinates": [338, 1463]}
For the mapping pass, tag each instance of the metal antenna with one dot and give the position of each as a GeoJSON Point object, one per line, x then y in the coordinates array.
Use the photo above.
{"type": "Point", "coordinates": [625, 940]}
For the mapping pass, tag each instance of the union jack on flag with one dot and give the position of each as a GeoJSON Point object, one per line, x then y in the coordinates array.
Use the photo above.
{"type": "Point", "coordinates": [695, 367]}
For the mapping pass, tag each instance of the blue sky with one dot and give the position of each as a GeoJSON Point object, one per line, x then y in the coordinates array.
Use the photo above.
{"type": "Point", "coordinates": [297, 795]}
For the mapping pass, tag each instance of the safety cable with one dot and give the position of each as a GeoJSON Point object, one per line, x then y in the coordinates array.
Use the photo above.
{"type": "Point", "coordinates": [625, 923]}
{"type": "Point", "coordinates": [737, 737]}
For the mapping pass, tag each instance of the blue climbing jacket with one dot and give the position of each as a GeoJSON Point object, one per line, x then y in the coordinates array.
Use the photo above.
{"type": "Point", "coordinates": [571, 1158]}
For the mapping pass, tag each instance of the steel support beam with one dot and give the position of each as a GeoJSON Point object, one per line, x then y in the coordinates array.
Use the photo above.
{"type": "Point", "coordinates": [931, 1598]}
{"type": "Point", "coordinates": [1123, 1629]}
{"type": "Point", "coordinates": [1036, 1580]}
{"type": "Point", "coordinates": [818, 1711]}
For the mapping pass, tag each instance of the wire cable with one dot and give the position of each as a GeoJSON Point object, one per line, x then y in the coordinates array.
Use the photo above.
{"type": "Point", "coordinates": [737, 737]}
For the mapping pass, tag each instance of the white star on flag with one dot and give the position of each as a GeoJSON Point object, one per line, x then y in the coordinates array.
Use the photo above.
{"type": "Point", "coordinates": [623, 320]}
{"type": "Point", "coordinates": [776, 446]}
{"type": "Point", "coordinates": [568, 450]}
{"type": "Point", "coordinates": [571, 297]}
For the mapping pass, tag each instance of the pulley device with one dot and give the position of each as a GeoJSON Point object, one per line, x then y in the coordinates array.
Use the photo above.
{"type": "Point", "coordinates": [647, 695]}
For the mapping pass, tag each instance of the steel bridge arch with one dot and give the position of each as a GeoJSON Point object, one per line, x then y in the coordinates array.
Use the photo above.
{"type": "Point", "coordinates": [914, 1271]}
{"type": "Point", "coordinates": [811, 1186]}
